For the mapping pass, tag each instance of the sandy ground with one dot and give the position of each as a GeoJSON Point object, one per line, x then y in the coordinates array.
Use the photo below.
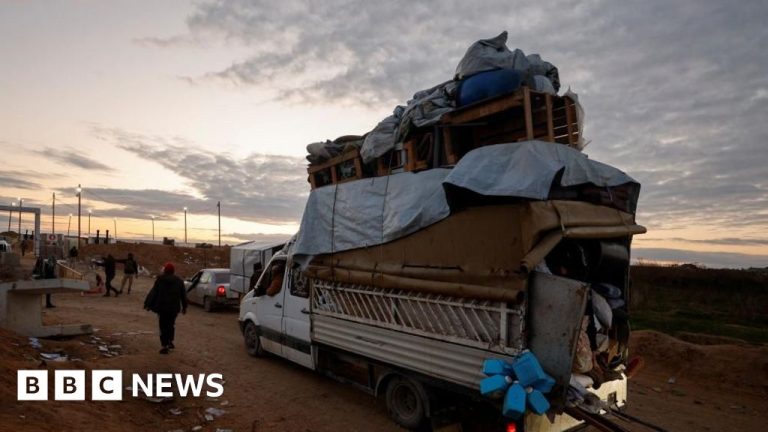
{"type": "Point", "coordinates": [712, 388]}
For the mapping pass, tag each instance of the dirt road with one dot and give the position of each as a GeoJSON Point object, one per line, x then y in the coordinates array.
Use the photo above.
{"type": "Point", "coordinates": [269, 394]}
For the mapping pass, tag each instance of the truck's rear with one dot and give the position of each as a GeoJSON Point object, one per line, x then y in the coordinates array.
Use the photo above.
{"type": "Point", "coordinates": [433, 291]}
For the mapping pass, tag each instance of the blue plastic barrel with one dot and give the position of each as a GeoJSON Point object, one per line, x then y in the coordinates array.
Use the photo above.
{"type": "Point", "coordinates": [488, 84]}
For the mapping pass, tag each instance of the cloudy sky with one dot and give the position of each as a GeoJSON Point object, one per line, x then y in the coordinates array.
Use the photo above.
{"type": "Point", "coordinates": [157, 106]}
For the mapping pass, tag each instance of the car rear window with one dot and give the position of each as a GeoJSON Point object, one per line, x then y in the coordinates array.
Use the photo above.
{"type": "Point", "coordinates": [221, 278]}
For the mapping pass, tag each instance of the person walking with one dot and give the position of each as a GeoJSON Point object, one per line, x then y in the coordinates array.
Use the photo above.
{"type": "Point", "coordinates": [130, 270]}
{"type": "Point", "coordinates": [109, 272]}
{"type": "Point", "coordinates": [167, 298]}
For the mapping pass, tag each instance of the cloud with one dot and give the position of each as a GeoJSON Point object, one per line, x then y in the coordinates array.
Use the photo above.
{"type": "Point", "coordinates": [72, 157]}
{"type": "Point", "coordinates": [707, 259]}
{"type": "Point", "coordinates": [258, 237]}
{"type": "Point", "coordinates": [16, 179]}
{"type": "Point", "coordinates": [259, 188]}
{"type": "Point", "coordinates": [726, 241]}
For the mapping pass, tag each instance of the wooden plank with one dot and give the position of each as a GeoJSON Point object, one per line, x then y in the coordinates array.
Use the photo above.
{"type": "Point", "coordinates": [334, 161]}
{"type": "Point", "coordinates": [569, 120]}
{"type": "Point", "coordinates": [527, 113]}
{"type": "Point", "coordinates": [550, 122]}
{"type": "Point", "coordinates": [474, 112]}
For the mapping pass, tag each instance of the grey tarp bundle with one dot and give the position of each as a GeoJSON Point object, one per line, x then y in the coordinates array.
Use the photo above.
{"type": "Point", "coordinates": [374, 211]}
{"type": "Point", "coordinates": [425, 108]}
{"type": "Point", "coordinates": [428, 106]}
{"type": "Point", "coordinates": [527, 170]}
{"type": "Point", "coordinates": [371, 211]}
{"type": "Point", "coordinates": [490, 54]}
{"type": "Point", "coordinates": [382, 138]}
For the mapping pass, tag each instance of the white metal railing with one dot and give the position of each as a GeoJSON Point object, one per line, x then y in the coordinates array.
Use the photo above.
{"type": "Point", "coordinates": [484, 324]}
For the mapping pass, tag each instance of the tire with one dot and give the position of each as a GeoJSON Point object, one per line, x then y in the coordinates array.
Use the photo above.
{"type": "Point", "coordinates": [207, 304]}
{"type": "Point", "coordinates": [405, 402]}
{"type": "Point", "coordinates": [252, 341]}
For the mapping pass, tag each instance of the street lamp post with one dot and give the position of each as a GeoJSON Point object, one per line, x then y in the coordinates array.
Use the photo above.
{"type": "Point", "coordinates": [69, 223]}
{"type": "Point", "coordinates": [79, 233]}
{"type": "Point", "coordinates": [10, 215]}
{"type": "Point", "coordinates": [89, 223]}
{"type": "Point", "coordinates": [153, 227]}
{"type": "Point", "coordinates": [185, 225]}
{"type": "Point", "coordinates": [21, 202]}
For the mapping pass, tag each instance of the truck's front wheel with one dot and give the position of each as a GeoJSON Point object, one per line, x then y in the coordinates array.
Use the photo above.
{"type": "Point", "coordinates": [252, 341]}
{"type": "Point", "coordinates": [405, 402]}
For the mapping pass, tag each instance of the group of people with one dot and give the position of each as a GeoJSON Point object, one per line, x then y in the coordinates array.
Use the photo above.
{"type": "Point", "coordinates": [130, 270]}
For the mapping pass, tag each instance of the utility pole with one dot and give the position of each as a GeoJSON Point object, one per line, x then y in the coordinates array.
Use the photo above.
{"type": "Point", "coordinates": [185, 225]}
{"type": "Point", "coordinates": [69, 224]}
{"type": "Point", "coordinates": [219, 206]}
{"type": "Point", "coordinates": [115, 236]}
{"type": "Point", "coordinates": [21, 202]}
{"type": "Point", "coordinates": [79, 233]}
{"type": "Point", "coordinates": [53, 222]}
{"type": "Point", "coordinates": [89, 223]}
{"type": "Point", "coordinates": [153, 227]}
{"type": "Point", "coordinates": [10, 215]}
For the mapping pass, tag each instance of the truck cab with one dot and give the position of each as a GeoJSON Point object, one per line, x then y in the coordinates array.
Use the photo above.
{"type": "Point", "coordinates": [274, 316]}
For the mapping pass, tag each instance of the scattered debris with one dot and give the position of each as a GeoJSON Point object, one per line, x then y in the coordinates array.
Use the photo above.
{"type": "Point", "coordinates": [671, 380]}
{"type": "Point", "coordinates": [155, 399]}
{"type": "Point", "coordinates": [656, 389]}
{"type": "Point", "coordinates": [175, 411]}
{"type": "Point", "coordinates": [215, 411]}
{"type": "Point", "coordinates": [197, 428]}
{"type": "Point", "coordinates": [54, 357]}
{"type": "Point", "coordinates": [35, 343]}
{"type": "Point", "coordinates": [225, 403]}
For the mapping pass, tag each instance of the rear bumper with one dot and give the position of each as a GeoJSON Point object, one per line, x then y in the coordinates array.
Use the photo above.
{"type": "Point", "coordinates": [223, 301]}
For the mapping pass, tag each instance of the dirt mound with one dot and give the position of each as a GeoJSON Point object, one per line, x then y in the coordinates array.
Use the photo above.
{"type": "Point", "coordinates": [153, 256]}
{"type": "Point", "coordinates": [727, 365]}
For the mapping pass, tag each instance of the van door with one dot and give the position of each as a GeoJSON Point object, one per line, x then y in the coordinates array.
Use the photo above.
{"type": "Point", "coordinates": [296, 340]}
{"type": "Point", "coordinates": [269, 309]}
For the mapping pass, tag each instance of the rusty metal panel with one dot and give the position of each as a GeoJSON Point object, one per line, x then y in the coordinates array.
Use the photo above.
{"type": "Point", "coordinates": [555, 310]}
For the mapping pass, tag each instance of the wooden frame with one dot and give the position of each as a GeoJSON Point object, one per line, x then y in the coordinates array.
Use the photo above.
{"type": "Point", "coordinates": [332, 166]}
{"type": "Point", "coordinates": [541, 116]}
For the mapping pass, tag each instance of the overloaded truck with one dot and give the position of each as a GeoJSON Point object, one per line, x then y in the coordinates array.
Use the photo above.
{"type": "Point", "coordinates": [480, 234]}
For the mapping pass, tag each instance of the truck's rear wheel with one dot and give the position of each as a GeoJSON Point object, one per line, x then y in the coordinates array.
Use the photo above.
{"type": "Point", "coordinates": [252, 341]}
{"type": "Point", "coordinates": [405, 402]}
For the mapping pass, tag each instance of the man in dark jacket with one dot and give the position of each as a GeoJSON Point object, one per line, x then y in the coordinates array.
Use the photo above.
{"type": "Point", "coordinates": [109, 271]}
{"type": "Point", "coordinates": [130, 268]}
{"type": "Point", "coordinates": [166, 298]}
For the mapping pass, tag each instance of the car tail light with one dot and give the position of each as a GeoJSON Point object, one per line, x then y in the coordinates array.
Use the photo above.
{"type": "Point", "coordinates": [511, 427]}
{"type": "Point", "coordinates": [221, 291]}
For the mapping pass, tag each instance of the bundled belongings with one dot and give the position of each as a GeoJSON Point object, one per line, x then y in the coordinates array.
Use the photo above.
{"type": "Point", "coordinates": [497, 96]}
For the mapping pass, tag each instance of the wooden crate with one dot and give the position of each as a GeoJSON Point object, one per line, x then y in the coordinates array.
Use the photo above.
{"type": "Point", "coordinates": [340, 169]}
{"type": "Point", "coordinates": [518, 116]}
{"type": "Point", "coordinates": [419, 152]}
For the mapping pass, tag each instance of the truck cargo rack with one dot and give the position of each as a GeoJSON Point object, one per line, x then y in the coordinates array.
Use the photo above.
{"type": "Point", "coordinates": [483, 324]}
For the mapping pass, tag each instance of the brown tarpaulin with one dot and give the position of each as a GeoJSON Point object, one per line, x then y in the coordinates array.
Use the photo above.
{"type": "Point", "coordinates": [476, 249]}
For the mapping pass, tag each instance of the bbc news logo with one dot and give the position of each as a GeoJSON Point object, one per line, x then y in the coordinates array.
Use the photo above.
{"type": "Point", "coordinates": [107, 385]}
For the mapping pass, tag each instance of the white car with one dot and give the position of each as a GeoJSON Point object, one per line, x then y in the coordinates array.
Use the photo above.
{"type": "Point", "coordinates": [210, 288]}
